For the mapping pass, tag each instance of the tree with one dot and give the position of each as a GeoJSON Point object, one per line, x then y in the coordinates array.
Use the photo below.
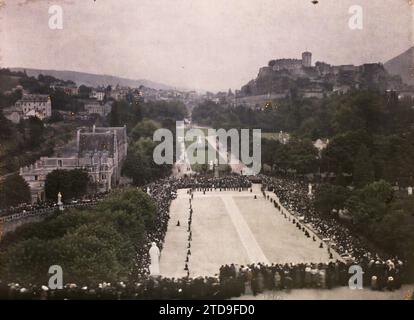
{"type": "Point", "coordinates": [136, 204]}
{"type": "Point", "coordinates": [342, 149]}
{"type": "Point", "coordinates": [302, 156]}
{"type": "Point", "coordinates": [60, 100]}
{"type": "Point", "coordinates": [92, 246]}
{"type": "Point", "coordinates": [139, 164]}
{"type": "Point", "coordinates": [145, 129]}
{"type": "Point", "coordinates": [370, 204]}
{"type": "Point", "coordinates": [33, 129]}
{"type": "Point", "coordinates": [161, 110]}
{"type": "Point", "coordinates": [5, 126]}
{"type": "Point", "coordinates": [56, 117]}
{"type": "Point", "coordinates": [70, 183]}
{"type": "Point", "coordinates": [84, 91]}
{"type": "Point", "coordinates": [14, 191]}
{"type": "Point", "coordinates": [363, 169]}
{"type": "Point", "coordinates": [328, 197]}
{"type": "Point", "coordinates": [114, 116]}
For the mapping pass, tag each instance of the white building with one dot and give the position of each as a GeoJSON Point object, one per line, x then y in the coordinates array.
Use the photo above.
{"type": "Point", "coordinates": [97, 94]}
{"type": "Point", "coordinates": [30, 105]}
{"type": "Point", "coordinates": [96, 108]}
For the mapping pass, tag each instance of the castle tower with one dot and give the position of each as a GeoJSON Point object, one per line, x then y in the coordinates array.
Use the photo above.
{"type": "Point", "coordinates": [307, 59]}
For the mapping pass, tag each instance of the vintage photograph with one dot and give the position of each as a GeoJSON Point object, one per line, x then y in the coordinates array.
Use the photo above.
{"type": "Point", "coordinates": [230, 150]}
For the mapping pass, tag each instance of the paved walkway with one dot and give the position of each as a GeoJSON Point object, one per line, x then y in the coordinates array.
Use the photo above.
{"type": "Point", "coordinates": [308, 227]}
{"type": "Point", "coordinates": [236, 165]}
{"type": "Point", "coordinates": [232, 227]}
{"type": "Point", "coordinates": [182, 166]}
{"type": "Point", "coordinates": [343, 293]}
{"type": "Point", "coordinates": [253, 250]}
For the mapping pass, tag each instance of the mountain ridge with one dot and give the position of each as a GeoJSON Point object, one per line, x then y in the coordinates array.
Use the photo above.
{"type": "Point", "coordinates": [92, 79]}
{"type": "Point", "coordinates": [402, 65]}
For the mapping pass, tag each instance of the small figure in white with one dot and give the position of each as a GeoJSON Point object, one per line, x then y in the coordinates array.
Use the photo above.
{"type": "Point", "coordinates": [59, 199]}
{"type": "Point", "coordinates": [60, 203]}
{"type": "Point", "coordinates": [148, 191]}
{"type": "Point", "coordinates": [309, 189]}
{"type": "Point", "coordinates": [154, 253]}
{"type": "Point", "coordinates": [410, 191]}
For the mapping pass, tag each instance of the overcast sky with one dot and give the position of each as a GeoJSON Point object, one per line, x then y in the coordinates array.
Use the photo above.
{"type": "Point", "coordinates": [203, 44]}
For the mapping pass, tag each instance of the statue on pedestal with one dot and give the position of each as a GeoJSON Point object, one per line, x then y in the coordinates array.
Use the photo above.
{"type": "Point", "coordinates": [154, 253]}
{"type": "Point", "coordinates": [410, 191]}
{"type": "Point", "coordinates": [309, 189]}
{"type": "Point", "coordinates": [60, 203]}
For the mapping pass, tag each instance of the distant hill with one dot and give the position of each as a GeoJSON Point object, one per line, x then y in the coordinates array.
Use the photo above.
{"type": "Point", "coordinates": [402, 65]}
{"type": "Point", "coordinates": [93, 80]}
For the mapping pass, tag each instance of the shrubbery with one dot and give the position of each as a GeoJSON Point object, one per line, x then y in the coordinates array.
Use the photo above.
{"type": "Point", "coordinates": [70, 183]}
{"type": "Point", "coordinates": [91, 246]}
{"type": "Point", "coordinates": [379, 214]}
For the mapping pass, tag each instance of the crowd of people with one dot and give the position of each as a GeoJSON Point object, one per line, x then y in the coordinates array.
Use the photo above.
{"type": "Point", "coordinates": [47, 206]}
{"type": "Point", "coordinates": [256, 278]}
{"type": "Point", "coordinates": [234, 280]}
{"type": "Point", "coordinates": [163, 192]}
{"type": "Point", "coordinates": [204, 182]}
{"type": "Point", "coordinates": [294, 197]}
{"type": "Point", "coordinates": [26, 207]}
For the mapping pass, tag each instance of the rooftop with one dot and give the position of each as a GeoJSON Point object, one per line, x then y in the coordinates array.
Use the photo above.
{"type": "Point", "coordinates": [35, 98]}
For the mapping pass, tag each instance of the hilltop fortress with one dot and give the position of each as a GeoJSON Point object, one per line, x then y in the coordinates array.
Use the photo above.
{"type": "Point", "coordinates": [284, 77]}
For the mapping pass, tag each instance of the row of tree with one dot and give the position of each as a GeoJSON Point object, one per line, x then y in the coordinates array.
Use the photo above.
{"type": "Point", "coordinates": [91, 246]}
{"type": "Point", "coordinates": [379, 213]}
{"type": "Point", "coordinates": [139, 164]}
{"type": "Point", "coordinates": [371, 147]}
{"type": "Point", "coordinates": [142, 120]}
{"type": "Point", "coordinates": [72, 184]}
{"type": "Point", "coordinates": [371, 134]}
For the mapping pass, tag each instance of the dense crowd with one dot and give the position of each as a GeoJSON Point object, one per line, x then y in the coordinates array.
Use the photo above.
{"type": "Point", "coordinates": [41, 207]}
{"type": "Point", "coordinates": [234, 280]}
{"type": "Point", "coordinates": [163, 192]}
{"type": "Point", "coordinates": [294, 196]}
{"type": "Point", "coordinates": [200, 182]}
{"type": "Point", "coordinates": [257, 278]}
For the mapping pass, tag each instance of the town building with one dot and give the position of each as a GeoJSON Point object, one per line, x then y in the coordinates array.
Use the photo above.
{"type": "Point", "coordinates": [30, 105]}
{"type": "Point", "coordinates": [95, 107]}
{"type": "Point", "coordinates": [101, 151]}
{"type": "Point", "coordinates": [97, 94]}
{"type": "Point", "coordinates": [119, 93]}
